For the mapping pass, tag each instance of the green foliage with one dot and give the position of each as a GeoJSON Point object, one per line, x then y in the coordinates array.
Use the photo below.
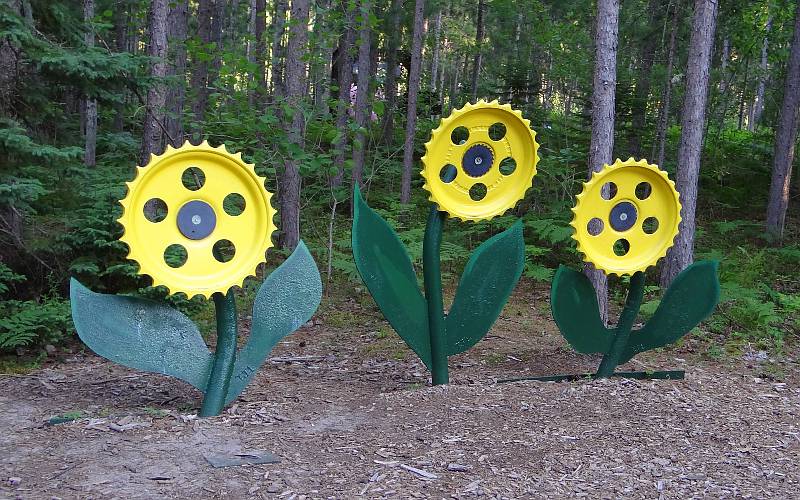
{"type": "Point", "coordinates": [26, 323]}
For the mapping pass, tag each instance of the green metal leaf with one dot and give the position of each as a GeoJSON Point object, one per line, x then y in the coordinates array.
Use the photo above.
{"type": "Point", "coordinates": [286, 300]}
{"type": "Point", "coordinates": [489, 278]}
{"type": "Point", "coordinates": [690, 299]}
{"type": "Point", "coordinates": [575, 311]}
{"type": "Point", "coordinates": [386, 269]}
{"type": "Point", "coordinates": [141, 334]}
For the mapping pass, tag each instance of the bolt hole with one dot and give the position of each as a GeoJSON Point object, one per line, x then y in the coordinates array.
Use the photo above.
{"type": "Point", "coordinates": [608, 191]}
{"type": "Point", "coordinates": [460, 135]}
{"type": "Point", "coordinates": [622, 247]}
{"type": "Point", "coordinates": [193, 178]}
{"type": "Point", "coordinates": [650, 225]}
{"type": "Point", "coordinates": [155, 210]}
{"type": "Point", "coordinates": [477, 192]}
{"type": "Point", "coordinates": [448, 173]}
{"type": "Point", "coordinates": [497, 131]}
{"type": "Point", "coordinates": [595, 226]}
{"type": "Point", "coordinates": [508, 166]}
{"type": "Point", "coordinates": [643, 190]}
{"type": "Point", "coordinates": [233, 204]}
{"type": "Point", "coordinates": [175, 255]}
{"type": "Point", "coordinates": [223, 250]}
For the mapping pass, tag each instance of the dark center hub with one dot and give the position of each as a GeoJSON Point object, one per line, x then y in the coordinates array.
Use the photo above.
{"type": "Point", "coordinates": [477, 160]}
{"type": "Point", "coordinates": [623, 216]}
{"type": "Point", "coordinates": [196, 219]}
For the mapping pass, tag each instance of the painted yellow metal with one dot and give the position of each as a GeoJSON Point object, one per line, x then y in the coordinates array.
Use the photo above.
{"type": "Point", "coordinates": [626, 217]}
{"type": "Point", "coordinates": [493, 159]}
{"type": "Point", "coordinates": [224, 174]}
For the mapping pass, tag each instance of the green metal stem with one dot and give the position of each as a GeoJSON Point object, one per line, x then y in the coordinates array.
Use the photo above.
{"type": "Point", "coordinates": [224, 357]}
{"type": "Point", "coordinates": [622, 332]}
{"type": "Point", "coordinates": [431, 270]}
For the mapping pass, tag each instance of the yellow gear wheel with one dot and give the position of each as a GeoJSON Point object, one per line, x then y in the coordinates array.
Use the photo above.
{"type": "Point", "coordinates": [480, 161]}
{"type": "Point", "coordinates": [626, 217]}
{"type": "Point", "coordinates": [197, 219]}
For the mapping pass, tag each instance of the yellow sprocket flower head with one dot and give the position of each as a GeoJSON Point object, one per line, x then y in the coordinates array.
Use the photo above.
{"type": "Point", "coordinates": [197, 219]}
{"type": "Point", "coordinates": [626, 217]}
{"type": "Point", "coordinates": [480, 161]}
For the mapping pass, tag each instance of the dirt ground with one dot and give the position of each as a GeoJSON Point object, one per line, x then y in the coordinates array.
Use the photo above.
{"type": "Point", "coordinates": [350, 414]}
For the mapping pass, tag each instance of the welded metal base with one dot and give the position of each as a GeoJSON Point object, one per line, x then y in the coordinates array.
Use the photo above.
{"type": "Point", "coordinates": [663, 375]}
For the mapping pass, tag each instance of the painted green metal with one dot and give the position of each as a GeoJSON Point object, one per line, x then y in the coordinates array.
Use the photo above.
{"type": "Point", "coordinates": [224, 356]}
{"type": "Point", "coordinates": [622, 333]}
{"type": "Point", "coordinates": [384, 265]}
{"type": "Point", "coordinates": [152, 336]}
{"type": "Point", "coordinates": [141, 334]}
{"type": "Point", "coordinates": [286, 300]}
{"type": "Point", "coordinates": [490, 276]}
{"type": "Point", "coordinates": [690, 299]}
{"type": "Point", "coordinates": [431, 268]}
{"type": "Point", "coordinates": [660, 375]}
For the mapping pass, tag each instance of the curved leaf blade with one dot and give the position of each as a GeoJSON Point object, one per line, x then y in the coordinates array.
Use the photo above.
{"type": "Point", "coordinates": [141, 334]}
{"type": "Point", "coordinates": [384, 265]}
{"type": "Point", "coordinates": [285, 301]}
{"type": "Point", "coordinates": [574, 305]}
{"type": "Point", "coordinates": [689, 300]}
{"type": "Point", "coordinates": [489, 277]}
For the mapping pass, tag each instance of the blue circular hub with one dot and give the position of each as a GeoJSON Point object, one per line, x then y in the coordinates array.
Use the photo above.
{"type": "Point", "coordinates": [477, 160]}
{"type": "Point", "coordinates": [623, 216]}
{"type": "Point", "coordinates": [196, 219]}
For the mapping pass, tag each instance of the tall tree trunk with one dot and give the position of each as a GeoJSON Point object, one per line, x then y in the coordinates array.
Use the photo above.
{"type": "Point", "coordinates": [90, 102]}
{"type": "Point", "coordinates": [743, 94]}
{"type": "Point", "coordinates": [278, 30]}
{"type": "Point", "coordinates": [692, 126]}
{"type": "Point", "coordinates": [121, 45]}
{"type": "Point", "coordinates": [321, 68]}
{"type": "Point", "coordinates": [176, 35]}
{"type": "Point", "coordinates": [413, 90]}
{"type": "Point", "coordinates": [217, 36]}
{"type": "Point", "coordinates": [260, 52]}
{"type": "Point", "coordinates": [476, 67]}
{"type": "Point", "coordinates": [785, 139]}
{"type": "Point", "coordinates": [156, 96]}
{"type": "Point", "coordinates": [601, 146]}
{"type": "Point", "coordinates": [344, 72]}
{"type": "Point", "coordinates": [199, 80]}
{"type": "Point", "coordinates": [390, 86]}
{"type": "Point", "coordinates": [642, 92]}
{"type": "Point", "coordinates": [437, 33]}
{"type": "Point", "coordinates": [663, 113]}
{"type": "Point", "coordinates": [362, 93]}
{"type": "Point", "coordinates": [758, 104]}
{"type": "Point", "coordinates": [289, 177]}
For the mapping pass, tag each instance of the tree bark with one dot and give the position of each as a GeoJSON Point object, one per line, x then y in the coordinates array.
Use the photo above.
{"type": "Point", "coordinates": [437, 34]}
{"type": "Point", "coordinates": [278, 30]}
{"type": "Point", "coordinates": [758, 103]}
{"type": "Point", "coordinates": [362, 94]}
{"type": "Point", "coordinates": [692, 127]}
{"type": "Point", "coordinates": [156, 96]}
{"type": "Point", "coordinates": [199, 80]}
{"type": "Point", "coordinates": [479, 32]}
{"type": "Point", "coordinates": [743, 94]}
{"type": "Point", "coordinates": [322, 59]}
{"type": "Point", "coordinates": [295, 88]}
{"type": "Point", "coordinates": [785, 139]}
{"type": "Point", "coordinates": [663, 114]}
{"type": "Point", "coordinates": [177, 21]}
{"type": "Point", "coordinates": [413, 91]}
{"type": "Point", "coordinates": [121, 45]}
{"type": "Point", "coordinates": [344, 72]}
{"type": "Point", "coordinates": [90, 127]}
{"type": "Point", "coordinates": [260, 52]}
{"type": "Point", "coordinates": [601, 146]}
{"type": "Point", "coordinates": [390, 86]}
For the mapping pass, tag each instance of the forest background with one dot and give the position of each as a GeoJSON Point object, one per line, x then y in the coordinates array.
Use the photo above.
{"type": "Point", "coordinates": [324, 94]}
